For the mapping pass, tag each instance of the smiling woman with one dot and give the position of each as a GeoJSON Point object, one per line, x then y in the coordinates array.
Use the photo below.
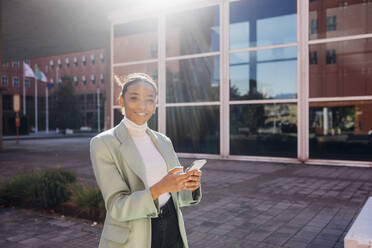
{"type": "Point", "coordinates": [138, 98]}
{"type": "Point", "coordinates": [136, 170]}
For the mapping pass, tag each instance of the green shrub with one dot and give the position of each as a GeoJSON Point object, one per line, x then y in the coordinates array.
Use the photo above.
{"type": "Point", "coordinates": [89, 199]}
{"type": "Point", "coordinates": [52, 188]}
{"type": "Point", "coordinates": [43, 189]}
{"type": "Point", "coordinates": [19, 189]}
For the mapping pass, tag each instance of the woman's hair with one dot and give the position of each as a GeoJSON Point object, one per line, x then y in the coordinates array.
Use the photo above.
{"type": "Point", "coordinates": [132, 78]}
{"type": "Point", "coordinates": [125, 82]}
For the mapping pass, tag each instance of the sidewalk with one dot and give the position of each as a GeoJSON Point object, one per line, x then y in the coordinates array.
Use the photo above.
{"type": "Point", "coordinates": [245, 204]}
{"type": "Point", "coordinates": [50, 135]}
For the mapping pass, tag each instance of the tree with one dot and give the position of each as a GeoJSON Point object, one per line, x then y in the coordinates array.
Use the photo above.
{"type": "Point", "coordinates": [66, 105]}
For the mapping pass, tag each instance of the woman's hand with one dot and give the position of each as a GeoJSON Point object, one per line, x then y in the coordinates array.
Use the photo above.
{"type": "Point", "coordinates": [193, 183]}
{"type": "Point", "coordinates": [172, 182]}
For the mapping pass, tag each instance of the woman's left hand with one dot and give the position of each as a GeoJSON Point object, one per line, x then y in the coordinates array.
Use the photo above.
{"type": "Point", "coordinates": [193, 183]}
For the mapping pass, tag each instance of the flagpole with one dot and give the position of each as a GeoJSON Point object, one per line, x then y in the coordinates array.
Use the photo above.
{"type": "Point", "coordinates": [46, 104]}
{"type": "Point", "coordinates": [24, 93]}
{"type": "Point", "coordinates": [57, 74]}
{"type": "Point", "coordinates": [98, 110]}
{"type": "Point", "coordinates": [36, 124]}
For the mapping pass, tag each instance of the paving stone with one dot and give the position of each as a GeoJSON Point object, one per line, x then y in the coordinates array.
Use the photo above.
{"type": "Point", "coordinates": [278, 238]}
{"type": "Point", "coordinates": [245, 204]}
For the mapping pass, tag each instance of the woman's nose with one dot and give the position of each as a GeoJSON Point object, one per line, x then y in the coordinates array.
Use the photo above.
{"type": "Point", "coordinates": [142, 105]}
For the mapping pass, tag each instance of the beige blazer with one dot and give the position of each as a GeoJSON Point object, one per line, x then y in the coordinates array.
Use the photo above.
{"type": "Point", "coordinates": [120, 175]}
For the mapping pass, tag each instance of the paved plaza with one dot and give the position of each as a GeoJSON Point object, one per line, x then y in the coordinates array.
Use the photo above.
{"type": "Point", "coordinates": [245, 204]}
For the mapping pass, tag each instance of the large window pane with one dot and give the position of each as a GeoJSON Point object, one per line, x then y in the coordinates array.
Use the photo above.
{"type": "Point", "coordinates": [194, 129]}
{"type": "Point", "coordinates": [264, 74]}
{"type": "Point", "coordinates": [193, 31]}
{"type": "Point", "coordinates": [341, 68]}
{"type": "Point", "coordinates": [262, 23]}
{"type": "Point", "coordinates": [135, 41]}
{"type": "Point", "coordinates": [339, 18]}
{"type": "Point", "coordinates": [193, 80]}
{"type": "Point", "coordinates": [123, 71]}
{"type": "Point", "coordinates": [341, 130]}
{"type": "Point", "coordinates": [152, 123]}
{"type": "Point", "coordinates": [263, 130]}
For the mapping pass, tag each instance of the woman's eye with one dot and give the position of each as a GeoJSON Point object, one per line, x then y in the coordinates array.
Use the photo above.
{"type": "Point", "coordinates": [133, 98]}
{"type": "Point", "coordinates": [150, 100]}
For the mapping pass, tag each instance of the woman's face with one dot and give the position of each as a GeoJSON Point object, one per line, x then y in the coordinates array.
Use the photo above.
{"type": "Point", "coordinates": [139, 102]}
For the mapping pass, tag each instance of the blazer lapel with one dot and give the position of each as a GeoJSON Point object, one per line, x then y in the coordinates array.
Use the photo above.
{"type": "Point", "coordinates": [163, 148]}
{"type": "Point", "coordinates": [130, 153]}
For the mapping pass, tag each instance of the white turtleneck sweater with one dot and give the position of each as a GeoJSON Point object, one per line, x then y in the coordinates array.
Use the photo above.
{"type": "Point", "coordinates": [155, 165]}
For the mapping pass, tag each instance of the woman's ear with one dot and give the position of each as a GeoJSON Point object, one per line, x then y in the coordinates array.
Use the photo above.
{"type": "Point", "coordinates": [121, 102]}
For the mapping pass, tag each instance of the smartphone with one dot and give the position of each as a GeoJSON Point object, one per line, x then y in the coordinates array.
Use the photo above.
{"type": "Point", "coordinates": [197, 165]}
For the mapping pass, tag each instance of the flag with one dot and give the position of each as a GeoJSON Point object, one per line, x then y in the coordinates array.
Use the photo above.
{"type": "Point", "coordinates": [27, 71]}
{"type": "Point", "coordinates": [49, 83]}
{"type": "Point", "coordinates": [40, 75]}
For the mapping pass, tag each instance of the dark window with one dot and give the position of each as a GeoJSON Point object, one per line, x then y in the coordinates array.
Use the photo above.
{"type": "Point", "coordinates": [91, 101]}
{"type": "Point", "coordinates": [313, 58]}
{"type": "Point", "coordinates": [331, 23]}
{"type": "Point", "coordinates": [76, 80]}
{"type": "Point", "coordinates": [201, 136]}
{"type": "Point", "coordinates": [27, 83]}
{"type": "Point", "coordinates": [92, 79]}
{"type": "Point", "coordinates": [263, 129]}
{"type": "Point", "coordinates": [67, 60]}
{"type": "Point", "coordinates": [5, 64]}
{"type": "Point", "coordinates": [314, 26]}
{"type": "Point", "coordinates": [4, 81]}
{"type": "Point", "coordinates": [15, 82]}
{"type": "Point", "coordinates": [92, 59]}
{"type": "Point", "coordinates": [84, 60]}
{"type": "Point", "coordinates": [76, 62]}
{"type": "Point", "coordinates": [331, 57]}
{"type": "Point", "coordinates": [7, 102]}
{"type": "Point", "coordinates": [102, 58]}
{"type": "Point", "coordinates": [15, 64]}
{"type": "Point", "coordinates": [102, 78]}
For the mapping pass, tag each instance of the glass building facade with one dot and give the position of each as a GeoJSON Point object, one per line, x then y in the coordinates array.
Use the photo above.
{"type": "Point", "coordinates": [255, 79]}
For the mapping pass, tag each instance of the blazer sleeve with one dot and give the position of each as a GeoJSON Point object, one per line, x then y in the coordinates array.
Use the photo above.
{"type": "Point", "coordinates": [186, 197]}
{"type": "Point", "coordinates": [121, 204]}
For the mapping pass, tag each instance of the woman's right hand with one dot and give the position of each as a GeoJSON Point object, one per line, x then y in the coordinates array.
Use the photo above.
{"type": "Point", "coordinates": [172, 182]}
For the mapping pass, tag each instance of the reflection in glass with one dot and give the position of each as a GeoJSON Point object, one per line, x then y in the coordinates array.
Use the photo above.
{"type": "Point", "coordinates": [135, 41]}
{"type": "Point", "coordinates": [341, 130]}
{"type": "Point", "coordinates": [257, 23]}
{"type": "Point", "coordinates": [193, 31]}
{"type": "Point", "coordinates": [122, 71]}
{"type": "Point", "coordinates": [193, 80]}
{"type": "Point", "coordinates": [340, 18]}
{"type": "Point", "coordinates": [343, 69]}
{"type": "Point", "coordinates": [263, 130]}
{"type": "Point", "coordinates": [152, 123]}
{"type": "Point", "coordinates": [194, 129]}
{"type": "Point", "coordinates": [264, 74]}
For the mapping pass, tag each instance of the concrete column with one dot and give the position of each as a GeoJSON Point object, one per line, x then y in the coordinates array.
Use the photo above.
{"type": "Point", "coordinates": [325, 121]}
{"type": "Point", "coordinates": [1, 72]}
